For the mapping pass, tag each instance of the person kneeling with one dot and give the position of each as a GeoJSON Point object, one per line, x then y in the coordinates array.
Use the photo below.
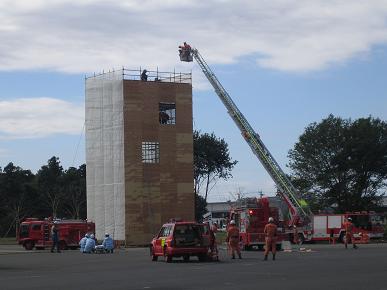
{"type": "Point", "coordinates": [108, 244]}
{"type": "Point", "coordinates": [90, 245]}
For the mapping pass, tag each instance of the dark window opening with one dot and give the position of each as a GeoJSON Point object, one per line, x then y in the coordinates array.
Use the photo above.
{"type": "Point", "coordinates": [36, 227]}
{"type": "Point", "coordinates": [167, 113]}
{"type": "Point", "coordinates": [24, 231]}
{"type": "Point", "coordinates": [150, 152]}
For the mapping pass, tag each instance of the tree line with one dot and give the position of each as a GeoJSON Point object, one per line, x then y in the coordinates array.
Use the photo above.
{"type": "Point", "coordinates": [337, 163]}
{"type": "Point", "coordinates": [51, 192]}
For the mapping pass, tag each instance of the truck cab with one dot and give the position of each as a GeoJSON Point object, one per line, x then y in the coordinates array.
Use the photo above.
{"type": "Point", "coordinates": [251, 215]}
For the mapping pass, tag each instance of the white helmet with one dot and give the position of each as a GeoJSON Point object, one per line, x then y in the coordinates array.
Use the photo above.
{"type": "Point", "coordinates": [349, 218]}
{"type": "Point", "coordinates": [271, 220]}
{"type": "Point", "coordinates": [106, 234]}
{"type": "Point", "coordinates": [92, 236]}
{"type": "Point", "coordinates": [232, 222]}
{"type": "Point", "coordinates": [87, 235]}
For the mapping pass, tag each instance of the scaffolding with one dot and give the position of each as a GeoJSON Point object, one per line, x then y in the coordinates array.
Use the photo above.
{"type": "Point", "coordinates": [153, 75]}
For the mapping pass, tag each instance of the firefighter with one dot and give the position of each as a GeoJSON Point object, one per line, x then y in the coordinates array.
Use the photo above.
{"type": "Point", "coordinates": [108, 244]}
{"type": "Point", "coordinates": [348, 226]}
{"type": "Point", "coordinates": [90, 245]}
{"type": "Point", "coordinates": [270, 232]}
{"type": "Point", "coordinates": [213, 245]}
{"type": "Point", "coordinates": [185, 50]}
{"type": "Point", "coordinates": [295, 235]}
{"type": "Point", "coordinates": [144, 76]}
{"type": "Point", "coordinates": [82, 242]}
{"type": "Point", "coordinates": [233, 239]}
{"type": "Point", "coordinates": [55, 238]}
{"type": "Point", "coordinates": [163, 117]}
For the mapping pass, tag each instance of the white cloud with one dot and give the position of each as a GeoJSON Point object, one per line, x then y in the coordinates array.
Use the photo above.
{"type": "Point", "coordinates": [91, 35]}
{"type": "Point", "coordinates": [39, 117]}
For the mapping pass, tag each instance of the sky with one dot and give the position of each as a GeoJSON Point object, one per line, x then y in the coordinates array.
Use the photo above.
{"type": "Point", "coordinates": [286, 64]}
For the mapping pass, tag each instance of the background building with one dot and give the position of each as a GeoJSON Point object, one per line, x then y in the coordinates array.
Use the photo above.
{"type": "Point", "coordinates": [139, 153]}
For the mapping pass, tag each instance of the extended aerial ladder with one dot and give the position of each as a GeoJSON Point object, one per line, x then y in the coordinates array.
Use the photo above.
{"type": "Point", "coordinates": [286, 189]}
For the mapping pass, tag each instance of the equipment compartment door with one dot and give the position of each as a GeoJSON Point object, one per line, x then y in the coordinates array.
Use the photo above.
{"type": "Point", "coordinates": [334, 222]}
{"type": "Point", "coordinates": [320, 226]}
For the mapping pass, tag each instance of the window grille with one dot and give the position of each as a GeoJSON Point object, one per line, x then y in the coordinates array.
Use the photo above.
{"type": "Point", "coordinates": [150, 152]}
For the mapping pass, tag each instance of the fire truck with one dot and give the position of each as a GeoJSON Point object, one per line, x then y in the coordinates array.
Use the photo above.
{"type": "Point", "coordinates": [330, 227]}
{"type": "Point", "coordinates": [251, 216]}
{"type": "Point", "coordinates": [310, 226]}
{"type": "Point", "coordinates": [37, 233]}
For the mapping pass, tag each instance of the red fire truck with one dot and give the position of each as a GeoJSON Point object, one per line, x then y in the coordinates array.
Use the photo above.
{"type": "Point", "coordinates": [36, 233]}
{"type": "Point", "coordinates": [325, 227]}
{"type": "Point", "coordinates": [251, 215]}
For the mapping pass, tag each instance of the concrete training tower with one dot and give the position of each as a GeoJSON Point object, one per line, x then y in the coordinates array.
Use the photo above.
{"type": "Point", "coordinates": [139, 153]}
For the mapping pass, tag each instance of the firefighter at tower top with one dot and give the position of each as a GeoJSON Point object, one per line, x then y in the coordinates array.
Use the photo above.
{"type": "Point", "coordinates": [348, 226]}
{"type": "Point", "coordinates": [184, 51]}
{"type": "Point", "coordinates": [270, 232]}
{"type": "Point", "coordinates": [233, 239]}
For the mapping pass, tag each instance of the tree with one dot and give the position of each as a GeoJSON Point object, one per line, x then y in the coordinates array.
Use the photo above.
{"type": "Point", "coordinates": [211, 161]}
{"type": "Point", "coordinates": [50, 183]}
{"type": "Point", "coordinates": [342, 162]}
{"type": "Point", "coordinates": [17, 193]}
{"type": "Point", "coordinates": [200, 207]}
{"type": "Point", "coordinates": [74, 192]}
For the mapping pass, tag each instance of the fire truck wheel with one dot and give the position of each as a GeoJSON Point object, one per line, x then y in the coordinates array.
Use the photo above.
{"type": "Point", "coordinates": [29, 245]}
{"type": "Point", "coordinates": [62, 245]}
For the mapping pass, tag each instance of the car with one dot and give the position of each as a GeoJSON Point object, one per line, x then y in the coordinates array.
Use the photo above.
{"type": "Point", "coordinates": [181, 239]}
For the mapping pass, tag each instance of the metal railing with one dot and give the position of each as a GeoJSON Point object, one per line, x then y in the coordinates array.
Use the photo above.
{"type": "Point", "coordinates": [152, 75]}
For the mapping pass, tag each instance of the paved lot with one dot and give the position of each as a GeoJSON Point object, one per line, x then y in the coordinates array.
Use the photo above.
{"type": "Point", "coordinates": [326, 267]}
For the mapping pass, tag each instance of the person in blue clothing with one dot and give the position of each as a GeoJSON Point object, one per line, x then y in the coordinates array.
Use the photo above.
{"type": "Point", "coordinates": [108, 244]}
{"type": "Point", "coordinates": [55, 238]}
{"type": "Point", "coordinates": [90, 245]}
{"type": "Point", "coordinates": [82, 242]}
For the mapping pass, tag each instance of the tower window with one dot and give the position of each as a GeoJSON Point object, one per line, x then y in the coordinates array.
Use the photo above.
{"type": "Point", "coordinates": [150, 152]}
{"type": "Point", "coordinates": [167, 113]}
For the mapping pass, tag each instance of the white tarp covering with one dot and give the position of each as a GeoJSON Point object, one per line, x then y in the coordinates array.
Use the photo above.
{"type": "Point", "coordinates": [105, 154]}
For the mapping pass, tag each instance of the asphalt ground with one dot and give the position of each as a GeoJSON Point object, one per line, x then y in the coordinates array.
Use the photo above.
{"type": "Point", "coordinates": [323, 267]}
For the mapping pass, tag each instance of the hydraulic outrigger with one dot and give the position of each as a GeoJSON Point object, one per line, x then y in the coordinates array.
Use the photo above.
{"type": "Point", "coordinates": [300, 215]}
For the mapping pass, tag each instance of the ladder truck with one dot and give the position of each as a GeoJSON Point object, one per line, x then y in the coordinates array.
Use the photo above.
{"type": "Point", "coordinates": [310, 227]}
{"type": "Point", "coordinates": [300, 214]}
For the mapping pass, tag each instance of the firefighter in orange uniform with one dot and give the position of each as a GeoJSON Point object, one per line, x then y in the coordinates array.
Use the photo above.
{"type": "Point", "coordinates": [348, 226]}
{"type": "Point", "coordinates": [270, 232]}
{"type": "Point", "coordinates": [233, 239]}
{"type": "Point", "coordinates": [295, 235]}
